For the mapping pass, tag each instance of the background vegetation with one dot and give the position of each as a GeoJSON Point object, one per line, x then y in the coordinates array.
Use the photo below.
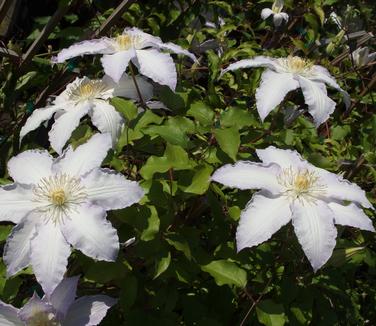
{"type": "Point", "coordinates": [183, 268]}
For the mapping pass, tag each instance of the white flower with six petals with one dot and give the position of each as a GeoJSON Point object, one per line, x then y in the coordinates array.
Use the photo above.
{"type": "Point", "coordinates": [142, 49]}
{"type": "Point", "coordinates": [287, 74]}
{"type": "Point", "coordinates": [59, 308]}
{"type": "Point", "coordinates": [293, 189]}
{"type": "Point", "coordinates": [61, 202]}
{"type": "Point", "coordinates": [276, 11]}
{"type": "Point", "coordinates": [84, 96]}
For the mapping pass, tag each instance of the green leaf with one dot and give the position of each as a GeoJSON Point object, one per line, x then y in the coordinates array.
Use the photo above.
{"type": "Point", "coordinates": [238, 118]}
{"type": "Point", "coordinates": [174, 158]}
{"type": "Point", "coordinates": [202, 113]}
{"type": "Point", "coordinates": [179, 243]}
{"type": "Point", "coordinates": [126, 107]}
{"type": "Point", "coordinates": [270, 313]}
{"type": "Point", "coordinates": [228, 140]}
{"type": "Point", "coordinates": [152, 227]}
{"type": "Point", "coordinates": [226, 272]}
{"type": "Point", "coordinates": [201, 180]}
{"type": "Point", "coordinates": [162, 265]}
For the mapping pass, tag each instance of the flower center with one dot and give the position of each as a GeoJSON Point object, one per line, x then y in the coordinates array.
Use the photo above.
{"type": "Point", "coordinates": [87, 90]}
{"type": "Point", "coordinates": [125, 42]}
{"type": "Point", "coordinates": [58, 195]}
{"type": "Point", "coordinates": [42, 319]}
{"type": "Point", "coordinates": [296, 65]}
{"type": "Point", "coordinates": [303, 184]}
{"type": "Point", "coordinates": [277, 6]}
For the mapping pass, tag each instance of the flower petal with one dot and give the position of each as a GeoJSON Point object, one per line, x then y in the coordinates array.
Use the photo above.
{"type": "Point", "coordinates": [261, 218]}
{"type": "Point", "coordinates": [36, 119]}
{"type": "Point", "coordinates": [49, 255]}
{"type": "Point", "coordinates": [107, 119]}
{"type": "Point", "coordinates": [143, 39]}
{"type": "Point", "coordinates": [279, 18]}
{"type": "Point", "coordinates": [342, 189]}
{"type": "Point", "coordinates": [158, 66]}
{"type": "Point", "coordinates": [176, 49]}
{"type": "Point", "coordinates": [266, 12]}
{"type": "Point", "coordinates": [102, 46]}
{"type": "Point", "coordinates": [89, 310]}
{"type": "Point", "coordinates": [114, 65]}
{"type": "Point", "coordinates": [320, 106]}
{"type": "Point", "coordinates": [259, 61]}
{"type": "Point", "coordinates": [63, 127]}
{"type": "Point", "coordinates": [111, 190]}
{"type": "Point", "coordinates": [249, 175]}
{"type": "Point", "coordinates": [63, 296]}
{"type": "Point", "coordinates": [16, 201]}
{"type": "Point", "coordinates": [314, 227]}
{"type": "Point", "coordinates": [85, 157]}
{"type": "Point", "coordinates": [33, 308]}
{"type": "Point", "coordinates": [38, 165]}
{"type": "Point", "coordinates": [285, 158]}
{"type": "Point", "coordinates": [88, 231]}
{"type": "Point", "coordinates": [9, 315]}
{"type": "Point", "coordinates": [126, 88]}
{"type": "Point", "coordinates": [17, 248]}
{"type": "Point", "coordinates": [272, 90]}
{"type": "Point", "coordinates": [323, 75]}
{"type": "Point", "coordinates": [351, 215]}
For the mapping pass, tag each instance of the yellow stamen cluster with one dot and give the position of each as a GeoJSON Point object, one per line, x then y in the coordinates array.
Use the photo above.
{"type": "Point", "coordinates": [87, 89]}
{"type": "Point", "coordinates": [42, 318]}
{"type": "Point", "coordinates": [296, 65]}
{"type": "Point", "coordinates": [58, 195]}
{"type": "Point", "coordinates": [126, 41]}
{"type": "Point", "coordinates": [301, 183]}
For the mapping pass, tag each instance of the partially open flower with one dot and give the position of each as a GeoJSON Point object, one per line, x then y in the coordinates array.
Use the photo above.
{"type": "Point", "coordinates": [287, 74]}
{"type": "Point", "coordinates": [133, 45]}
{"type": "Point", "coordinates": [85, 96]}
{"type": "Point", "coordinates": [362, 57]}
{"type": "Point", "coordinates": [58, 203]}
{"type": "Point", "coordinates": [294, 190]}
{"type": "Point", "coordinates": [276, 12]}
{"type": "Point", "coordinates": [58, 309]}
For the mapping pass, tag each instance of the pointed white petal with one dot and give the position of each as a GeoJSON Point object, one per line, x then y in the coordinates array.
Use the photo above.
{"type": "Point", "coordinates": [143, 39]}
{"type": "Point", "coordinates": [351, 215]}
{"type": "Point", "coordinates": [111, 190]}
{"type": "Point", "coordinates": [114, 65]}
{"type": "Point", "coordinates": [107, 119]}
{"type": "Point", "coordinates": [88, 231]}
{"type": "Point", "coordinates": [38, 165]}
{"type": "Point", "coordinates": [320, 106]}
{"type": "Point", "coordinates": [314, 227]}
{"type": "Point", "coordinates": [17, 248]}
{"type": "Point", "coordinates": [102, 46]}
{"type": "Point", "coordinates": [37, 117]}
{"type": "Point", "coordinates": [34, 307]}
{"type": "Point", "coordinates": [63, 127]}
{"type": "Point", "coordinates": [261, 218]}
{"type": "Point", "coordinates": [324, 76]}
{"type": "Point", "coordinates": [9, 315]}
{"type": "Point", "coordinates": [277, 19]}
{"type": "Point", "coordinates": [259, 61]}
{"type": "Point", "coordinates": [157, 66]}
{"type": "Point", "coordinates": [49, 256]}
{"type": "Point", "coordinates": [85, 157]}
{"type": "Point", "coordinates": [285, 16]}
{"type": "Point", "coordinates": [249, 175]}
{"type": "Point", "coordinates": [89, 310]}
{"type": "Point", "coordinates": [176, 49]}
{"type": "Point", "coordinates": [339, 188]}
{"type": "Point", "coordinates": [265, 13]}
{"type": "Point", "coordinates": [126, 88]}
{"type": "Point", "coordinates": [64, 295]}
{"type": "Point", "coordinates": [272, 90]}
{"type": "Point", "coordinates": [285, 158]}
{"type": "Point", "coordinates": [16, 201]}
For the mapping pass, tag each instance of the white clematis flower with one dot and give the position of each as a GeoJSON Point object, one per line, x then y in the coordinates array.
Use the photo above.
{"type": "Point", "coordinates": [276, 11]}
{"type": "Point", "coordinates": [133, 45]}
{"type": "Point", "coordinates": [362, 57]}
{"type": "Point", "coordinates": [59, 203]}
{"type": "Point", "coordinates": [58, 309]}
{"type": "Point", "coordinates": [84, 96]}
{"type": "Point", "coordinates": [287, 74]}
{"type": "Point", "coordinates": [293, 189]}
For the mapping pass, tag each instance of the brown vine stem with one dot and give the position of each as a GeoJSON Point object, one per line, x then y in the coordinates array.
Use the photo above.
{"type": "Point", "coordinates": [136, 85]}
